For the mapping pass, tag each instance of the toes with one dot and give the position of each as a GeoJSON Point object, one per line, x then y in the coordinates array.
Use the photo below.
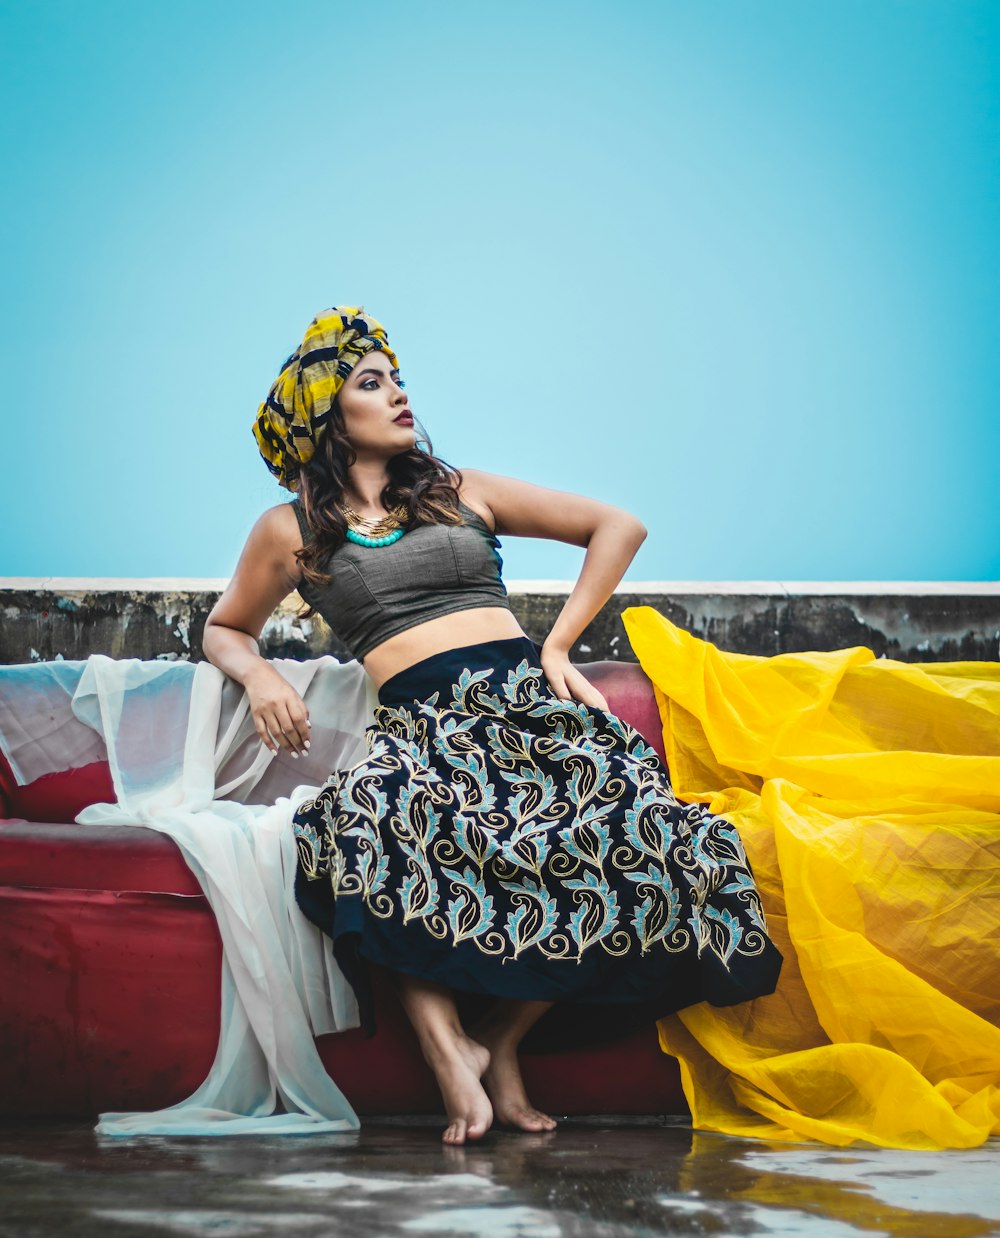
{"type": "Point", "coordinates": [531, 1119]}
{"type": "Point", "coordinates": [460, 1130]}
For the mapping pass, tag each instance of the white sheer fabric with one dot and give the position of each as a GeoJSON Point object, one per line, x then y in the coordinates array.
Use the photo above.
{"type": "Point", "coordinates": [186, 760]}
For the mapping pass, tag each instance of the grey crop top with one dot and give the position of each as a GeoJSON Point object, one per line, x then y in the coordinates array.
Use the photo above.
{"type": "Point", "coordinates": [433, 569]}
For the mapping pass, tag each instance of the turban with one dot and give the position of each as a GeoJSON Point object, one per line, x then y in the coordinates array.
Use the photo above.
{"type": "Point", "coordinates": [291, 421]}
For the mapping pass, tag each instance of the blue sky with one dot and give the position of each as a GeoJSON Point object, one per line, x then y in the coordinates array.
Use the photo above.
{"type": "Point", "coordinates": [731, 266]}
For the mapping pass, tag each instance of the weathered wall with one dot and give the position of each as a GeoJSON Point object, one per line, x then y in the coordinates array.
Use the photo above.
{"type": "Point", "coordinates": [922, 622]}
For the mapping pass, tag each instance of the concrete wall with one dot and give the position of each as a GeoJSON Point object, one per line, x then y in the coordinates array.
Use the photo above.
{"type": "Point", "coordinates": [43, 619]}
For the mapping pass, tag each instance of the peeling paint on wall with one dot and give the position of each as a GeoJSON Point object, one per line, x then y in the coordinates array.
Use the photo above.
{"type": "Point", "coordinates": [935, 625]}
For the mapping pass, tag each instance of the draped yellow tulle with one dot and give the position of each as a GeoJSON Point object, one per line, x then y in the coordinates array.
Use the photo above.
{"type": "Point", "coordinates": [867, 794]}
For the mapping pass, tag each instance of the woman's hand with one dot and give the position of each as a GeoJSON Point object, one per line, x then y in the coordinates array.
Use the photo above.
{"type": "Point", "coordinates": [279, 713]}
{"type": "Point", "coordinates": [566, 681]}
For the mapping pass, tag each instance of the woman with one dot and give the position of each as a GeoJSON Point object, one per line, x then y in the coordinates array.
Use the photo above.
{"type": "Point", "coordinates": [506, 837]}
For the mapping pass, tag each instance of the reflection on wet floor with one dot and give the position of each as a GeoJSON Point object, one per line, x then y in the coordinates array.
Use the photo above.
{"type": "Point", "coordinates": [600, 1176]}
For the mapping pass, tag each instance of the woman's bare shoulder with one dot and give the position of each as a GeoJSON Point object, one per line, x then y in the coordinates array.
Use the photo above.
{"type": "Point", "coordinates": [472, 492]}
{"type": "Point", "coordinates": [282, 521]}
{"type": "Point", "coordinates": [266, 572]}
{"type": "Point", "coordinates": [276, 537]}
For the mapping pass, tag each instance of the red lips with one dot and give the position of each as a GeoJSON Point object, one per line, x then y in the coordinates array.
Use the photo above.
{"type": "Point", "coordinates": [405, 419]}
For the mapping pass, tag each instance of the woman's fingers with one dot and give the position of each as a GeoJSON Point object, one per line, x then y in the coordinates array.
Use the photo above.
{"type": "Point", "coordinates": [301, 724]}
{"type": "Point", "coordinates": [584, 690]}
{"type": "Point", "coordinates": [276, 731]}
{"type": "Point", "coordinates": [291, 738]}
{"type": "Point", "coordinates": [594, 700]}
{"type": "Point", "coordinates": [569, 684]}
{"type": "Point", "coordinates": [264, 731]}
{"type": "Point", "coordinates": [581, 688]}
{"type": "Point", "coordinates": [558, 685]}
{"type": "Point", "coordinates": [280, 716]}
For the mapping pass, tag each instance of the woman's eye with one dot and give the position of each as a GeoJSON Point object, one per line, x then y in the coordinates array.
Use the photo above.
{"type": "Point", "coordinates": [374, 382]}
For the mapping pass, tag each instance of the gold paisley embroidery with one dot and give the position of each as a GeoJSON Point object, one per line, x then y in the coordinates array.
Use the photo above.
{"type": "Point", "coordinates": [506, 787]}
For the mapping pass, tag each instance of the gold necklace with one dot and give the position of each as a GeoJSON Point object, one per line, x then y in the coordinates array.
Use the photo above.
{"type": "Point", "coordinates": [366, 531]}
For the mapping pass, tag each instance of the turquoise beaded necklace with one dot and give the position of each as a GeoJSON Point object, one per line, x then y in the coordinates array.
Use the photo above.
{"type": "Point", "coordinates": [362, 539]}
{"type": "Point", "coordinates": [381, 532]}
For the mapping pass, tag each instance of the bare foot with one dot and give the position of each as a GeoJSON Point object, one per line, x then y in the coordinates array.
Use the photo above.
{"type": "Point", "coordinates": [505, 1086]}
{"type": "Point", "coordinates": [458, 1070]}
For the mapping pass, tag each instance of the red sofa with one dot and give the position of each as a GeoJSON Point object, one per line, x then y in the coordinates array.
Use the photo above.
{"type": "Point", "coordinates": [110, 972]}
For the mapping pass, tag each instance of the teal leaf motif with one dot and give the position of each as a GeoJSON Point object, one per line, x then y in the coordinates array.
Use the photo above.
{"type": "Point", "coordinates": [338, 869]}
{"type": "Point", "coordinates": [536, 845]}
{"type": "Point", "coordinates": [647, 830]}
{"type": "Point", "coordinates": [535, 916]}
{"type": "Point", "coordinates": [479, 844]}
{"type": "Point", "coordinates": [508, 745]}
{"type": "Point", "coordinates": [366, 801]}
{"type": "Point", "coordinates": [533, 785]}
{"type": "Point", "coordinates": [306, 833]}
{"type": "Point", "coordinates": [724, 930]}
{"type": "Point", "coordinates": [410, 753]}
{"type": "Point", "coordinates": [521, 685]}
{"type": "Point", "coordinates": [722, 843]}
{"type": "Point", "coordinates": [374, 870]}
{"type": "Point", "coordinates": [698, 885]}
{"type": "Point", "coordinates": [596, 774]}
{"type": "Point", "coordinates": [418, 894]}
{"type": "Point", "coordinates": [627, 734]}
{"type": "Point", "coordinates": [659, 913]}
{"type": "Point", "coordinates": [308, 844]}
{"type": "Point", "coordinates": [448, 727]}
{"type": "Point", "coordinates": [740, 881]}
{"type": "Point", "coordinates": [595, 812]}
{"type": "Point", "coordinates": [587, 843]}
{"type": "Point", "coordinates": [699, 928]}
{"type": "Point", "coordinates": [572, 718]}
{"type": "Point", "coordinates": [597, 914]}
{"type": "Point", "coordinates": [471, 913]}
{"type": "Point", "coordinates": [467, 684]}
{"type": "Point", "coordinates": [412, 799]}
{"type": "Point", "coordinates": [389, 716]}
{"type": "Point", "coordinates": [477, 790]}
{"type": "Point", "coordinates": [379, 748]}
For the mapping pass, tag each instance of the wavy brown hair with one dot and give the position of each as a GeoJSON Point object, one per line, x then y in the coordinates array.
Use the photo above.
{"type": "Point", "coordinates": [423, 483]}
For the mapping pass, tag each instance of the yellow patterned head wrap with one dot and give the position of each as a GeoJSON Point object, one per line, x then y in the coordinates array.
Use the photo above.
{"type": "Point", "coordinates": [291, 421]}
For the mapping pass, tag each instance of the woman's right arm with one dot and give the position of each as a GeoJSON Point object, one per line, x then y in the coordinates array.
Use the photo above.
{"type": "Point", "coordinates": [266, 573]}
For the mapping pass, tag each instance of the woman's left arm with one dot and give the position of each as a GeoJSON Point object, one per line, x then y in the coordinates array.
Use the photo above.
{"type": "Point", "coordinates": [611, 537]}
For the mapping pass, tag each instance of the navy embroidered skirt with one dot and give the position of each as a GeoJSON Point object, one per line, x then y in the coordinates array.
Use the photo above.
{"type": "Point", "coordinates": [507, 843]}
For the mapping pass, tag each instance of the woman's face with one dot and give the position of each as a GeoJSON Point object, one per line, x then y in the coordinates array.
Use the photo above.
{"type": "Point", "coordinates": [371, 401]}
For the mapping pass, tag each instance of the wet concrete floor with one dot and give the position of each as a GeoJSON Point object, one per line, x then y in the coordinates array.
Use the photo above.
{"type": "Point", "coordinates": [394, 1179]}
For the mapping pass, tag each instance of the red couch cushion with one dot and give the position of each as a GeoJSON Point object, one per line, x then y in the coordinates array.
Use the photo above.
{"type": "Point", "coordinates": [110, 1001]}
{"type": "Point", "coordinates": [55, 797]}
{"type": "Point", "coordinates": [61, 856]}
{"type": "Point", "coordinates": [110, 958]}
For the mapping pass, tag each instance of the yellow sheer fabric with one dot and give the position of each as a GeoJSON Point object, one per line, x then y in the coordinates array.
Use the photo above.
{"type": "Point", "coordinates": [867, 794]}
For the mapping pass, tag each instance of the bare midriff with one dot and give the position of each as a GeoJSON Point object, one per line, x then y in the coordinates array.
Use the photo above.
{"type": "Point", "coordinates": [461, 627]}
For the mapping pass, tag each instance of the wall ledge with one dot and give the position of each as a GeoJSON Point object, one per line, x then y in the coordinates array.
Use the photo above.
{"type": "Point", "coordinates": [60, 617]}
{"type": "Point", "coordinates": [788, 588]}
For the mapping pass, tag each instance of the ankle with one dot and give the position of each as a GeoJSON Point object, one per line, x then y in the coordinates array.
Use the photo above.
{"type": "Point", "coordinates": [501, 1040]}
{"type": "Point", "coordinates": [440, 1041]}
